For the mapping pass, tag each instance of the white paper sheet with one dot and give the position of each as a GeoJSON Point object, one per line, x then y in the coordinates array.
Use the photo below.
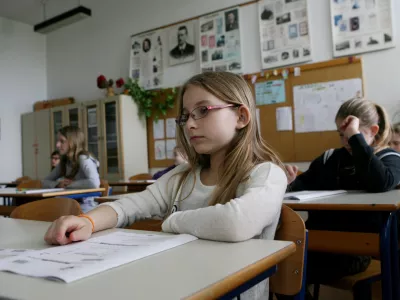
{"type": "Point", "coordinates": [158, 129]}
{"type": "Point", "coordinates": [171, 127]}
{"type": "Point", "coordinates": [284, 119]}
{"type": "Point", "coordinates": [316, 105]}
{"type": "Point", "coordinates": [159, 150]}
{"type": "Point", "coordinates": [75, 261]}
{"type": "Point", "coordinates": [308, 195]}
{"type": "Point", "coordinates": [170, 145]}
{"type": "Point", "coordinates": [258, 119]}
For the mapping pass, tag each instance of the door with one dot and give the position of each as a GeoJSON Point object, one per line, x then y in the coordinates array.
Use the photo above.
{"type": "Point", "coordinates": [92, 130]}
{"type": "Point", "coordinates": [111, 139]}
{"type": "Point", "coordinates": [57, 121]}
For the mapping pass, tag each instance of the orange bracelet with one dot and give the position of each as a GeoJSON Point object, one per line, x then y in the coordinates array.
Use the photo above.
{"type": "Point", "coordinates": [89, 218]}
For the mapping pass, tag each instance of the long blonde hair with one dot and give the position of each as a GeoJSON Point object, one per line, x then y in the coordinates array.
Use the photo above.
{"type": "Point", "coordinates": [76, 144]}
{"type": "Point", "coordinates": [247, 148]}
{"type": "Point", "coordinates": [369, 114]}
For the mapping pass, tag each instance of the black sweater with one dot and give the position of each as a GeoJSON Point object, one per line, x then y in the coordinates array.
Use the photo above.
{"type": "Point", "coordinates": [361, 170]}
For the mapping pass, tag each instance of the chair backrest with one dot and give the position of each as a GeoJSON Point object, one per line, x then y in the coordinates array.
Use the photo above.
{"type": "Point", "coordinates": [288, 279]}
{"type": "Point", "coordinates": [22, 179]}
{"type": "Point", "coordinates": [47, 209]}
{"type": "Point", "coordinates": [107, 189]}
{"type": "Point", "coordinates": [30, 184]}
{"type": "Point", "coordinates": [142, 176]}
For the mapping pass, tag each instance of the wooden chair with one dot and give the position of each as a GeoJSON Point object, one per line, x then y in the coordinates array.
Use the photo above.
{"type": "Point", "coordinates": [142, 176]}
{"type": "Point", "coordinates": [47, 209]}
{"type": "Point", "coordinates": [354, 243]}
{"type": "Point", "coordinates": [30, 184]}
{"type": "Point", "coordinates": [22, 179]}
{"type": "Point", "coordinates": [147, 224]}
{"type": "Point", "coordinates": [107, 189]}
{"type": "Point", "coordinates": [290, 279]}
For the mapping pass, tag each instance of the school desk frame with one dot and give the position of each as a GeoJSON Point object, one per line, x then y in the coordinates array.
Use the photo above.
{"type": "Point", "coordinates": [387, 229]}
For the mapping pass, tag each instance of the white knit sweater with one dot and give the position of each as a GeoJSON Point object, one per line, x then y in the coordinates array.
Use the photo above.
{"type": "Point", "coordinates": [254, 213]}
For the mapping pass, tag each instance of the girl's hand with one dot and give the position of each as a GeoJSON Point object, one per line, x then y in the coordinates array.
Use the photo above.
{"type": "Point", "coordinates": [68, 229]}
{"type": "Point", "coordinates": [350, 126]}
{"type": "Point", "coordinates": [64, 183]}
{"type": "Point", "coordinates": [291, 172]}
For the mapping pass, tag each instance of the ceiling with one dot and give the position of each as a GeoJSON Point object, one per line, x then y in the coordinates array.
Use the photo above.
{"type": "Point", "coordinates": [31, 11]}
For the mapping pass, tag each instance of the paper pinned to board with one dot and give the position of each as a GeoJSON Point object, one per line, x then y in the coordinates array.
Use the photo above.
{"type": "Point", "coordinates": [258, 119]}
{"type": "Point", "coordinates": [170, 145]}
{"type": "Point", "coordinates": [159, 150]}
{"type": "Point", "coordinates": [170, 128]}
{"type": "Point", "coordinates": [284, 119]}
{"type": "Point", "coordinates": [158, 129]}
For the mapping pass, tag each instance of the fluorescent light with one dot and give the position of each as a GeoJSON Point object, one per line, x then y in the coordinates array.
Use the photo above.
{"type": "Point", "coordinates": [67, 18]}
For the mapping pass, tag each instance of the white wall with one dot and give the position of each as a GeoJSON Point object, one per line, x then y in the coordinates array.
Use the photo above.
{"type": "Point", "coordinates": [22, 82]}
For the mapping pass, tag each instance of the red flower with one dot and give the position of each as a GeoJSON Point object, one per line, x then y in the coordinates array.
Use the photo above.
{"type": "Point", "coordinates": [101, 82]}
{"type": "Point", "coordinates": [120, 82]}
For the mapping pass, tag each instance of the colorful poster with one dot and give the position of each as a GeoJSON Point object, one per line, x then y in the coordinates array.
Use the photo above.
{"type": "Point", "coordinates": [360, 26]}
{"type": "Point", "coordinates": [284, 32]}
{"type": "Point", "coordinates": [270, 92]}
{"type": "Point", "coordinates": [220, 48]}
{"type": "Point", "coordinates": [146, 63]}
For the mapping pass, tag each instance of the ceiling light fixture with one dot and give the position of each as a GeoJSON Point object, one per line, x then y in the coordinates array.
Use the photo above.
{"type": "Point", "coordinates": [62, 20]}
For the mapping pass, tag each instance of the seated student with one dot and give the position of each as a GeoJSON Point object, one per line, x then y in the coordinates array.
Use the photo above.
{"type": "Point", "coordinates": [179, 159]}
{"type": "Point", "coordinates": [365, 162]}
{"type": "Point", "coordinates": [77, 168]}
{"type": "Point", "coordinates": [395, 140]}
{"type": "Point", "coordinates": [230, 190]}
{"type": "Point", "coordinates": [55, 159]}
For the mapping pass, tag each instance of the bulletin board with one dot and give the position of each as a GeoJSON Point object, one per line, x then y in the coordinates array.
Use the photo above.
{"type": "Point", "coordinates": [291, 146]}
{"type": "Point", "coordinates": [302, 147]}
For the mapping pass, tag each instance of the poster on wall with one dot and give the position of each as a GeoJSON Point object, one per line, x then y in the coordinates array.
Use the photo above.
{"type": "Point", "coordinates": [284, 32]}
{"type": "Point", "coordinates": [360, 26]}
{"type": "Point", "coordinates": [146, 63]}
{"type": "Point", "coordinates": [181, 43]}
{"type": "Point", "coordinates": [220, 48]}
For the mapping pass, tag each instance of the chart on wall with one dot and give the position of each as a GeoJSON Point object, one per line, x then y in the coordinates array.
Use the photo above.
{"type": "Point", "coordinates": [360, 26]}
{"type": "Point", "coordinates": [315, 105]}
{"type": "Point", "coordinates": [220, 46]}
{"type": "Point", "coordinates": [284, 32]}
{"type": "Point", "coordinates": [146, 64]}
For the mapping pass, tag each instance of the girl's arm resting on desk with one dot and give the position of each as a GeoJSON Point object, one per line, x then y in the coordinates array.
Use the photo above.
{"type": "Point", "coordinates": [241, 218]}
{"type": "Point", "coordinates": [378, 175]}
{"type": "Point", "coordinates": [310, 179]}
{"type": "Point", "coordinates": [154, 201]}
{"type": "Point", "coordinates": [51, 180]}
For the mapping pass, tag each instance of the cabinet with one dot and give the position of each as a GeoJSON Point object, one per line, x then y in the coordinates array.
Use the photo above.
{"type": "Point", "coordinates": [63, 116]}
{"type": "Point", "coordinates": [36, 147]}
{"type": "Point", "coordinates": [116, 136]}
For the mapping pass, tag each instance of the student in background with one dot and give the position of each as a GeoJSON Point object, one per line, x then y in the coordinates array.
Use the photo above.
{"type": "Point", "coordinates": [55, 159]}
{"type": "Point", "coordinates": [77, 168]}
{"type": "Point", "coordinates": [230, 190]}
{"type": "Point", "coordinates": [395, 140]}
{"type": "Point", "coordinates": [365, 162]}
{"type": "Point", "coordinates": [179, 159]}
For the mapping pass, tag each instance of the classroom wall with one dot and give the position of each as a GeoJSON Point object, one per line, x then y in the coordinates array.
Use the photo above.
{"type": "Point", "coordinates": [22, 82]}
{"type": "Point", "coordinates": [77, 54]}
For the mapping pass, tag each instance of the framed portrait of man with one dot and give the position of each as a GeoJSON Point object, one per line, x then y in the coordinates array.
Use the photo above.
{"type": "Point", "coordinates": [182, 46]}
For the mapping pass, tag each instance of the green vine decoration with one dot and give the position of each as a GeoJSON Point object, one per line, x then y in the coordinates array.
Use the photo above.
{"type": "Point", "coordinates": [146, 100]}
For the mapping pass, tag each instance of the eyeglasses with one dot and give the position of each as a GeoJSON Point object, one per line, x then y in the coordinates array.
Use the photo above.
{"type": "Point", "coordinates": [200, 112]}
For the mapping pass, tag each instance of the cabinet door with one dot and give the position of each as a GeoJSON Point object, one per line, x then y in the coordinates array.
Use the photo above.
{"type": "Point", "coordinates": [111, 139]}
{"type": "Point", "coordinates": [92, 130]}
{"type": "Point", "coordinates": [74, 115]}
{"type": "Point", "coordinates": [57, 121]}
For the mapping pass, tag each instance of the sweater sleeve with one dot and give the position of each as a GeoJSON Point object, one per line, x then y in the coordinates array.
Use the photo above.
{"type": "Point", "coordinates": [152, 202]}
{"type": "Point", "coordinates": [241, 218]}
{"type": "Point", "coordinates": [377, 175]}
{"type": "Point", "coordinates": [89, 168]}
{"type": "Point", "coordinates": [310, 179]}
{"type": "Point", "coordinates": [51, 180]}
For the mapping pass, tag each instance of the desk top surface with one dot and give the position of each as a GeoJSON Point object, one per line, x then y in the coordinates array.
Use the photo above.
{"type": "Point", "coordinates": [198, 269]}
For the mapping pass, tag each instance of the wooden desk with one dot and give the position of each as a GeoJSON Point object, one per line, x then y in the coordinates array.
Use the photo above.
{"type": "Point", "coordinates": [21, 198]}
{"type": "Point", "coordinates": [197, 270]}
{"type": "Point", "coordinates": [132, 186]}
{"type": "Point", "coordinates": [385, 206]}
